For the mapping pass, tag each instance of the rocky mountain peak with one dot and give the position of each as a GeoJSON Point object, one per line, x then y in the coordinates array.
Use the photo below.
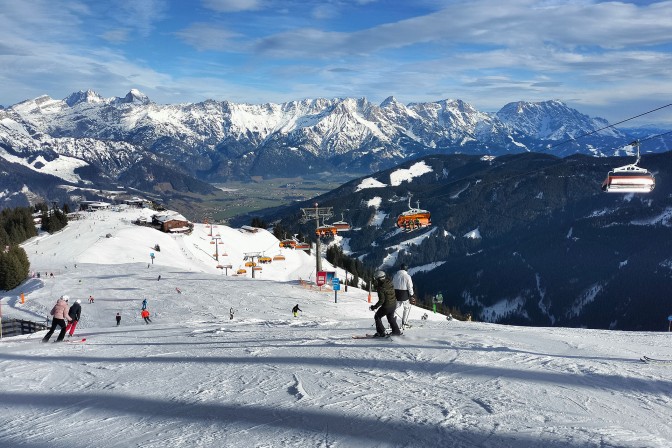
{"type": "Point", "coordinates": [390, 102]}
{"type": "Point", "coordinates": [88, 96]}
{"type": "Point", "coordinates": [136, 97]}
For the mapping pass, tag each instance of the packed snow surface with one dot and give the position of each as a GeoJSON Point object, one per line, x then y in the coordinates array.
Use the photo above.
{"type": "Point", "coordinates": [473, 234]}
{"type": "Point", "coordinates": [369, 182]}
{"type": "Point", "coordinates": [407, 175]}
{"type": "Point", "coordinates": [194, 377]}
{"type": "Point", "coordinates": [375, 202]}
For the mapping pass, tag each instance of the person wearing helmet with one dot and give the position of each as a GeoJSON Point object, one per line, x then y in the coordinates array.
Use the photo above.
{"type": "Point", "coordinates": [60, 313]}
{"type": "Point", "coordinates": [74, 313]}
{"type": "Point", "coordinates": [403, 290]}
{"type": "Point", "coordinates": [386, 305]}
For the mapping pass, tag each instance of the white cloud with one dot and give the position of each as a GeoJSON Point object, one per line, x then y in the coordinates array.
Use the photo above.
{"type": "Point", "coordinates": [117, 35]}
{"type": "Point", "coordinates": [205, 36]}
{"type": "Point", "coordinates": [139, 15]}
{"type": "Point", "coordinates": [523, 24]}
{"type": "Point", "coordinates": [608, 59]}
{"type": "Point", "coordinates": [232, 5]}
{"type": "Point", "coordinates": [324, 11]}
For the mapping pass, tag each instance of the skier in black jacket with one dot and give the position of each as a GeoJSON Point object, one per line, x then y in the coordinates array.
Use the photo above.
{"type": "Point", "coordinates": [74, 313]}
{"type": "Point", "coordinates": [387, 302]}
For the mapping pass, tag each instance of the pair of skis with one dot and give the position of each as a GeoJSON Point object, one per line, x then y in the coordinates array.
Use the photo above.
{"type": "Point", "coordinates": [388, 334]}
{"type": "Point", "coordinates": [72, 341]}
{"type": "Point", "coordinates": [648, 360]}
{"type": "Point", "coordinates": [374, 336]}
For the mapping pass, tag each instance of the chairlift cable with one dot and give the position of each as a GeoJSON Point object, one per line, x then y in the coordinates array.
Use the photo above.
{"type": "Point", "coordinates": [581, 136]}
{"type": "Point", "coordinates": [654, 136]}
{"type": "Point", "coordinates": [609, 126]}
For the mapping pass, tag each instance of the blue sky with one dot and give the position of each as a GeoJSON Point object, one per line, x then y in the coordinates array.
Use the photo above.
{"type": "Point", "coordinates": [608, 59]}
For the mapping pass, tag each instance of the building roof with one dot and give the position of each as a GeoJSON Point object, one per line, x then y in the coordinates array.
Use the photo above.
{"type": "Point", "coordinates": [170, 216]}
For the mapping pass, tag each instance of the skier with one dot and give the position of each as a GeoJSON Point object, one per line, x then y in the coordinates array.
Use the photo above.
{"type": "Point", "coordinates": [74, 313]}
{"type": "Point", "coordinates": [90, 299]}
{"type": "Point", "coordinates": [387, 302]}
{"type": "Point", "coordinates": [118, 317]}
{"type": "Point", "coordinates": [144, 304]}
{"type": "Point", "coordinates": [231, 313]}
{"type": "Point", "coordinates": [60, 313]}
{"type": "Point", "coordinates": [437, 299]}
{"type": "Point", "coordinates": [403, 291]}
{"type": "Point", "coordinates": [296, 310]}
{"type": "Point", "coordinates": [145, 315]}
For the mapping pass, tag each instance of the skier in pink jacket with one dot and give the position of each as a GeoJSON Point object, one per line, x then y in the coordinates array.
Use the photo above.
{"type": "Point", "coordinates": [60, 313]}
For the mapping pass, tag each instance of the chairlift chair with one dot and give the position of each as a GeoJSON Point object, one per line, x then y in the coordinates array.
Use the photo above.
{"type": "Point", "coordinates": [342, 225]}
{"type": "Point", "coordinates": [629, 178]}
{"type": "Point", "coordinates": [326, 230]}
{"type": "Point", "coordinates": [288, 244]}
{"type": "Point", "coordinates": [302, 246]}
{"type": "Point", "coordinates": [414, 218]}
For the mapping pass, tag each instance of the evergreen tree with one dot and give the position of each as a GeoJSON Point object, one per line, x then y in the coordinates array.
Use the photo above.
{"type": "Point", "coordinates": [259, 223]}
{"type": "Point", "coordinates": [61, 219]}
{"type": "Point", "coordinates": [4, 238]}
{"type": "Point", "coordinates": [354, 280]}
{"type": "Point", "coordinates": [14, 267]}
{"type": "Point", "coordinates": [53, 221]}
{"type": "Point", "coordinates": [16, 226]}
{"type": "Point", "coordinates": [279, 231]}
{"type": "Point", "coordinates": [45, 220]}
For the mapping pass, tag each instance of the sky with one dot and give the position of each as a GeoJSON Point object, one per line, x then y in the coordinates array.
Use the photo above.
{"type": "Point", "coordinates": [607, 59]}
{"type": "Point", "coordinates": [195, 378]}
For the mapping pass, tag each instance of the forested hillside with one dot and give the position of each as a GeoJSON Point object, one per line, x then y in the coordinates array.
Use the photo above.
{"type": "Point", "coordinates": [525, 239]}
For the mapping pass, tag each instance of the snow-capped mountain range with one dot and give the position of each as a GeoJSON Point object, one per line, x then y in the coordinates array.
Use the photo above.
{"type": "Point", "coordinates": [133, 142]}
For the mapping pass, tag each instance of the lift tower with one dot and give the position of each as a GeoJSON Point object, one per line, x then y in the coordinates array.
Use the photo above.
{"type": "Point", "coordinates": [317, 213]}
{"type": "Point", "coordinates": [252, 256]}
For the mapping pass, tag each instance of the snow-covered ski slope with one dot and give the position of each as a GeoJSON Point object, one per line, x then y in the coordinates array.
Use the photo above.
{"type": "Point", "coordinates": [195, 378]}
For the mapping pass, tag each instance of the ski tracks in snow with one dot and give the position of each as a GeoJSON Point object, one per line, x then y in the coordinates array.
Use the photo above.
{"type": "Point", "coordinates": [296, 389]}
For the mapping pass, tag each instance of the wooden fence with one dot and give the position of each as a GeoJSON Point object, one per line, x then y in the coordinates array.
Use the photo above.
{"type": "Point", "coordinates": [15, 327]}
